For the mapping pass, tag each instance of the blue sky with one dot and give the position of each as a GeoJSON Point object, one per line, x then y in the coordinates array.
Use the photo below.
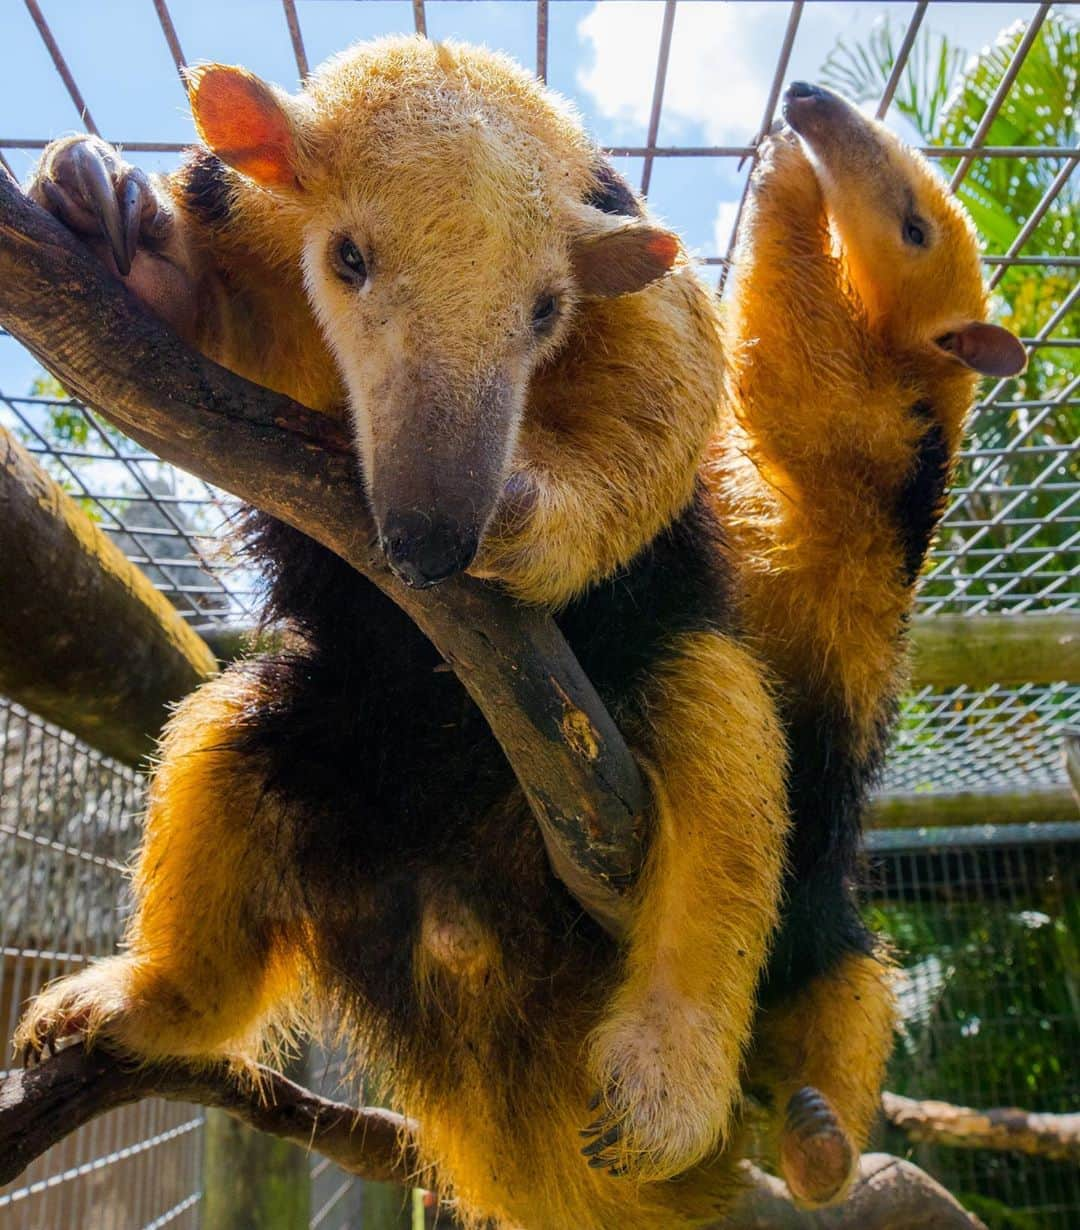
{"type": "Point", "coordinates": [603, 56]}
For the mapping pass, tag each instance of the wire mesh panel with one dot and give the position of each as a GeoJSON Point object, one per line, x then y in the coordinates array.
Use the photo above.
{"type": "Point", "coordinates": [988, 934]}
{"type": "Point", "coordinates": [68, 821]}
{"type": "Point", "coordinates": [680, 94]}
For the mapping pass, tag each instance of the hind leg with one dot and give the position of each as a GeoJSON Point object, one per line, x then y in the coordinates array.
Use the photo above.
{"type": "Point", "coordinates": [668, 1054]}
{"type": "Point", "coordinates": [211, 950]}
{"type": "Point", "coordinates": [822, 1056]}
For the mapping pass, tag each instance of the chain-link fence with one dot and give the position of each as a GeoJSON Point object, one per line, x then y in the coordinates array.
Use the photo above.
{"type": "Point", "coordinates": [987, 927]}
{"type": "Point", "coordinates": [68, 820]}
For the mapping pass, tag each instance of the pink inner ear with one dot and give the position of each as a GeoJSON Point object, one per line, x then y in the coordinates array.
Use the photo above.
{"type": "Point", "coordinates": [663, 247]}
{"type": "Point", "coordinates": [242, 121]}
{"type": "Point", "coordinates": [987, 349]}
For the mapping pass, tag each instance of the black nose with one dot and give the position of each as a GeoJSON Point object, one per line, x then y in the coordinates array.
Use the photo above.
{"type": "Point", "coordinates": [423, 550]}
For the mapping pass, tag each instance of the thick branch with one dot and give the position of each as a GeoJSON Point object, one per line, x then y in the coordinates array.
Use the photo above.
{"type": "Point", "coordinates": [581, 780]}
{"type": "Point", "coordinates": [41, 1106]}
{"type": "Point", "coordinates": [85, 639]}
{"type": "Point", "coordinates": [1003, 1128]}
{"type": "Point", "coordinates": [889, 1194]}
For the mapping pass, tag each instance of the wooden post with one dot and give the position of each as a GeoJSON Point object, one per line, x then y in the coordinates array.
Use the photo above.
{"type": "Point", "coordinates": [86, 641]}
{"type": "Point", "coordinates": [976, 651]}
{"type": "Point", "coordinates": [252, 1181]}
{"type": "Point", "coordinates": [912, 810]}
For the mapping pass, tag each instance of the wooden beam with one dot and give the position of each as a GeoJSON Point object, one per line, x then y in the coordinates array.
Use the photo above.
{"type": "Point", "coordinates": [86, 641]}
{"type": "Point", "coordinates": [912, 810]}
{"type": "Point", "coordinates": [977, 651]}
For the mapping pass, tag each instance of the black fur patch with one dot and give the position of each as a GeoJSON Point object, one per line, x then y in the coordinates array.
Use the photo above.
{"type": "Point", "coordinates": [396, 780]}
{"type": "Point", "coordinates": [921, 502]}
{"type": "Point", "coordinates": [206, 186]}
{"type": "Point", "coordinates": [828, 789]}
{"type": "Point", "coordinates": [612, 194]}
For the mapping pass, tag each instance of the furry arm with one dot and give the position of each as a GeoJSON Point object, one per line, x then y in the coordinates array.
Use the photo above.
{"type": "Point", "coordinates": [570, 759]}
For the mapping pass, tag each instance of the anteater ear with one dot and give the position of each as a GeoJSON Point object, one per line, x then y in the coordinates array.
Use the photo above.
{"type": "Point", "coordinates": [245, 122]}
{"type": "Point", "coordinates": [621, 259]}
{"type": "Point", "coordinates": [987, 349]}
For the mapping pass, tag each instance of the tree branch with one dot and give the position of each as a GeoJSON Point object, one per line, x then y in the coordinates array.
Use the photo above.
{"type": "Point", "coordinates": [581, 781]}
{"type": "Point", "coordinates": [1002, 1128]}
{"type": "Point", "coordinates": [110, 671]}
{"type": "Point", "coordinates": [889, 1194]}
{"type": "Point", "coordinates": [40, 1106]}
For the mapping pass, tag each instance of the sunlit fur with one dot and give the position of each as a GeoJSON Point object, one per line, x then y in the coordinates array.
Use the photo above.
{"type": "Point", "coordinates": [820, 391]}
{"type": "Point", "coordinates": [463, 181]}
{"type": "Point", "coordinates": [198, 980]}
{"type": "Point", "coordinates": [618, 410]}
{"type": "Point", "coordinates": [830, 342]}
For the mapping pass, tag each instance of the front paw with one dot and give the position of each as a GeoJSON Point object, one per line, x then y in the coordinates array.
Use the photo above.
{"type": "Point", "coordinates": [85, 183]}
{"type": "Point", "coordinates": [668, 1090]}
{"type": "Point", "coordinates": [79, 1007]}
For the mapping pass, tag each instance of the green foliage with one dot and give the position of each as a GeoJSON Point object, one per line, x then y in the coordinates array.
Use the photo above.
{"type": "Point", "coordinates": [862, 72]}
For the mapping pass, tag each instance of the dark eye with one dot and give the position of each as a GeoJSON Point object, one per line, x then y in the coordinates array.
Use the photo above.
{"type": "Point", "coordinates": [915, 232]}
{"type": "Point", "coordinates": [544, 312]}
{"type": "Point", "coordinates": [350, 263]}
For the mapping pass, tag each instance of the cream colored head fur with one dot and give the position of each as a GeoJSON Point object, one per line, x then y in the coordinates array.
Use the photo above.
{"type": "Point", "coordinates": [435, 193]}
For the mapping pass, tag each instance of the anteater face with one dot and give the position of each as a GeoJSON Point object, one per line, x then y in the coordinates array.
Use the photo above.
{"type": "Point", "coordinates": [909, 247]}
{"type": "Point", "coordinates": [439, 194]}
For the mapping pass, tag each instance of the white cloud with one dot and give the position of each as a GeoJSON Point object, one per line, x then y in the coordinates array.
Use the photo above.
{"type": "Point", "coordinates": [722, 226]}
{"type": "Point", "coordinates": [721, 64]}
{"type": "Point", "coordinates": [723, 57]}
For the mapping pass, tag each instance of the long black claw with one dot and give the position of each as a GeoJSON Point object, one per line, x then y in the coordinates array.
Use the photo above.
{"type": "Point", "coordinates": [99, 192]}
{"type": "Point", "coordinates": [595, 1100]}
{"type": "Point", "coordinates": [131, 210]}
{"type": "Point", "coordinates": [597, 1125]}
{"type": "Point", "coordinates": [610, 1137]}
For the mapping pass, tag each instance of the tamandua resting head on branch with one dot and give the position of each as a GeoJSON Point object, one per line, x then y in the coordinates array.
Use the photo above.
{"type": "Point", "coordinates": [411, 240]}
{"type": "Point", "coordinates": [426, 241]}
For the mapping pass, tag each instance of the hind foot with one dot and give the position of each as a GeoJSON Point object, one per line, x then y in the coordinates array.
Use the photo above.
{"type": "Point", "coordinates": [668, 1089]}
{"type": "Point", "coordinates": [817, 1157]}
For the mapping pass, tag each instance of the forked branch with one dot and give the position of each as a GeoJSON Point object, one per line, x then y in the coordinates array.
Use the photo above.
{"type": "Point", "coordinates": [41, 1106]}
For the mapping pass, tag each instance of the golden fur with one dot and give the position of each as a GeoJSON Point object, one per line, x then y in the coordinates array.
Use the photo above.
{"type": "Point", "coordinates": [832, 337]}
{"type": "Point", "coordinates": [462, 181]}
{"type": "Point", "coordinates": [617, 406]}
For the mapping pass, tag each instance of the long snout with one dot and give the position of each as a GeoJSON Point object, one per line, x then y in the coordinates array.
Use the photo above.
{"type": "Point", "coordinates": [828, 123]}
{"type": "Point", "coordinates": [424, 548]}
{"type": "Point", "coordinates": [438, 465]}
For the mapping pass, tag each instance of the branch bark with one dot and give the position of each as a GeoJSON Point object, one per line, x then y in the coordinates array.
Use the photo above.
{"type": "Point", "coordinates": [581, 781]}
{"type": "Point", "coordinates": [40, 1106]}
{"type": "Point", "coordinates": [889, 1194]}
{"type": "Point", "coordinates": [1002, 1128]}
{"type": "Point", "coordinates": [86, 641]}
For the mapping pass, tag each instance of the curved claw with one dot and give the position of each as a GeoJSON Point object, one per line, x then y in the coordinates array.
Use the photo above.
{"type": "Point", "coordinates": [95, 180]}
{"type": "Point", "coordinates": [132, 205]}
